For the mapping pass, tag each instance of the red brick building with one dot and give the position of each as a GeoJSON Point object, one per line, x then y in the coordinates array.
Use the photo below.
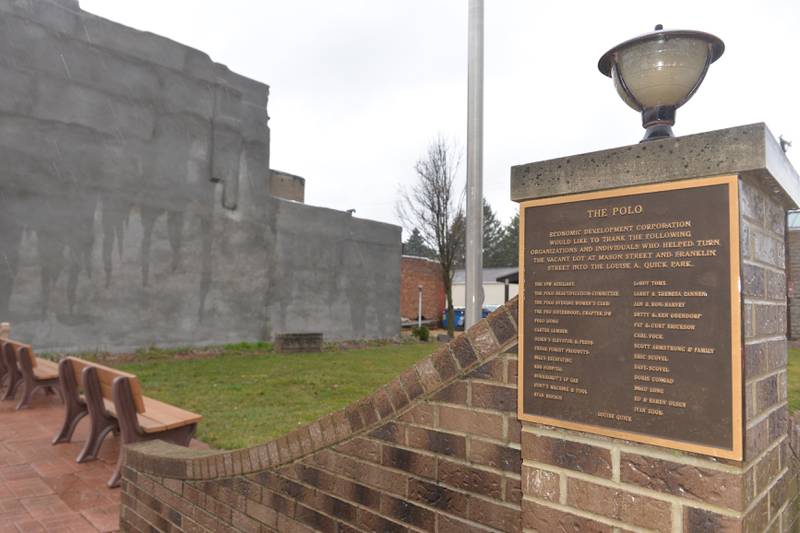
{"type": "Point", "coordinates": [416, 271]}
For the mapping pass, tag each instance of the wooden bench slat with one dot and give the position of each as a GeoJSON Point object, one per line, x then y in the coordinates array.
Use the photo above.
{"type": "Point", "coordinates": [168, 415]}
{"type": "Point", "coordinates": [159, 416]}
{"type": "Point", "coordinates": [106, 377]}
{"type": "Point", "coordinates": [45, 369]}
{"type": "Point", "coordinates": [17, 348]}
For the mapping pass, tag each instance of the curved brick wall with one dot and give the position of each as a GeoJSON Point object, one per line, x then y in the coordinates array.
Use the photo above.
{"type": "Point", "coordinates": [438, 449]}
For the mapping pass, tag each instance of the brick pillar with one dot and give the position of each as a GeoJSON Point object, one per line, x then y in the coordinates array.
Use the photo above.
{"type": "Point", "coordinates": [574, 481]}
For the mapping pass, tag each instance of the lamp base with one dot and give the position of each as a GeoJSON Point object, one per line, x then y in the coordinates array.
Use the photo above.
{"type": "Point", "coordinates": [658, 122]}
{"type": "Point", "coordinates": [657, 131]}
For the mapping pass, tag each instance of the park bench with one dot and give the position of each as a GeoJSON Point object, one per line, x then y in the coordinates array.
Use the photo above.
{"type": "Point", "coordinates": [24, 368]}
{"type": "Point", "coordinates": [114, 402]}
{"type": "Point", "coordinates": [5, 331]}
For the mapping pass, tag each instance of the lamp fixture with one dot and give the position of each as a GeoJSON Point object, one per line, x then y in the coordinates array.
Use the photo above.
{"type": "Point", "coordinates": [658, 72]}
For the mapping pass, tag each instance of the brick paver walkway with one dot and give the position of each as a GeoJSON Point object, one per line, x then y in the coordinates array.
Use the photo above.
{"type": "Point", "coordinates": [42, 488]}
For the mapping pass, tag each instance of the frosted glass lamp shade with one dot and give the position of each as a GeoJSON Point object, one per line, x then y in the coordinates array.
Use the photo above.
{"type": "Point", "coordinates": [658, 72]}
{"type": "Point", "coordinates": [661, 72]}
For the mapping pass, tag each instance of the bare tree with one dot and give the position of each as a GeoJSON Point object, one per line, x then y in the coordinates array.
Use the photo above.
{"type": "Point", "coordinates": [433, 206]}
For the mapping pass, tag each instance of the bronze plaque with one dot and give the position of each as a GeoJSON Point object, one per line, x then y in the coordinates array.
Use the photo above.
{"type": "Point", "coordinates": [630, 314]}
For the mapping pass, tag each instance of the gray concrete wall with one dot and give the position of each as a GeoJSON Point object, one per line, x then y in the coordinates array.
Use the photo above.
{"type": "Point", "coordinates": [334, 270]}
{"type": "Point", "coordinates": [134, 201]}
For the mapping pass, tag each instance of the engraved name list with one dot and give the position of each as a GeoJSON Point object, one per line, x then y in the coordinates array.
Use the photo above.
{"type": "Point", "coordinates": [630, 314]}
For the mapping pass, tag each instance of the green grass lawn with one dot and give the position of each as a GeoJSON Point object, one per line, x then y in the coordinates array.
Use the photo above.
{"type": "Point", "coordinates": [794, 379]}
{"type": "Point", "coordinates": [248, 395]}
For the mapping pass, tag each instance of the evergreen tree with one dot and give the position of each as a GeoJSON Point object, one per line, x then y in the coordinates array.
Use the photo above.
{"type": "Point", "coordinates": [415, 245]}
{"type": "Point", "coordinates": [493, 233]}
{"type": "Point", "coordinates": [507, 252]}
{"type": "Point", "coordinates": [499, 242]}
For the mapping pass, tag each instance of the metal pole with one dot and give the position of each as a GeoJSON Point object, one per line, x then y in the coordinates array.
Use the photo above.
{"type": "Point", "coordinates": [474, 259]}
{"type": "Point", "coordinates": [419, 307]}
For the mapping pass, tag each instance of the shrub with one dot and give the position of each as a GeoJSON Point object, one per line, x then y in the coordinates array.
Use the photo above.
{"type": "Point", "coordinates": [422, 333]}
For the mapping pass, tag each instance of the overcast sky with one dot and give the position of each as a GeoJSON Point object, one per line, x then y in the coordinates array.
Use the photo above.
{"type": "Point", "coordinates": [360, 87]}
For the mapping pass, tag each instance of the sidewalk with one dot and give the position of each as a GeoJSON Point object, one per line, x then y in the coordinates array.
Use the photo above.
{"type": "Point", "coordinates": [42, 488]}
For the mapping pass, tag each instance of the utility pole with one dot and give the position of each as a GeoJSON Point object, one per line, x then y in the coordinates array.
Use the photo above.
{"type": "Point", "coordinates": [474, 259]}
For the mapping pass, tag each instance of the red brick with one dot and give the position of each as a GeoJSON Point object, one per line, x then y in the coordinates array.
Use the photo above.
{"type": "Point", "coordinates": [448, 524]}
{"type": "Point", "coordinates": [502, 325]}
{"type": "Point", "coordinates": [704, 521]}
{"type": "Point", "coordinates": [422, 414]}
{"type": "Point", "coordinates": [468, 479]}
{"type": "Point", "coordinates": [767, 469]}
{"type": "Point", "coordinates": [262, 513]}
{"type": "Point", "coordinates": [358, 493]}
{"type": "Point", "coordinates": [621, 505]}
{"type": "Point", "coordinates": [315, 477]}
{"type": "Point", "coordinates": [353, 416]}
{"type": "Point", "coordinates": [513, 493]}
{"type": "Point", "coordinates": [471, 422]}
{"type": "Point", "coordinates": [411, 383]}
{"type": "Point", "coordinates": [491, 370]}
{"type": "Point", "coordinates": [390, 432]}
{"type": "Point", "coordinates": [451, 501]}
{"type": "Point", "coordinates": [438, 442]}
{"type": "Point", "coordinates": [402, 510]}
{"type": "Point", "coordinates": [546, 519]}
{"type": "Point", "coordinates": [482, 340]}
{"type": "Point", "coordinates": [502, 517]}
{"type": "Point", "coordinates": [514, 430]}
{"type": "Point", "coordinates": [361, 448]}
{"type": "Point", "coordinates": [339, 509]}
{"type": "Point", "coordinates": [397, 395]}
{"type": "Point", "coordinates": [463, 352]}
{"type": "Point", "coordinates": [314, 519]}
{"type": "Point", "coordinates": [372, 522]}
{"type": "Point", "coordinates": [777, 494]}
{"type": "Point", "coordinates": [567, 454]}
{"type": "Point", "coordinates": [512, 307]}
{"type": "Point", "coordinates": [416, 271]}
{"type": "Point", "coordinates": [244, 523]}
{"type": "Point", "coordinates": [445, 364]}
{"type": "Point", "coordinates": [314, 429]}
{"type": "Point", "coordinates": [416, 463]}
{"type": "Point", "coordinates": [778, 423]}
{"type": "Point", "coordinates": [288, 525]}
{"type": "Point", "coordinates": [756, 440]}
{"type": "Point", "coordinates": [382, 403]}
{"type": "Point", "coordinates": [497, 397]}
{"type": "Point", "coordinates": [494, 455]}
{"type": "Point", "coordinates": [455, 393]}
{"type": "Point", "coordinates": [687, 481]}
{"type": "Point", "coordinates": [366, 408]}
{"type": "Point", "coordinates": [757, 517]}
{"type": "Point", "coordinates": [766, 392]}
{"type": "Point", "coordinates": [428, 375]}
{"type": "Point", "coordinates": [512, 366]}
{"type": "Point", "coordinates": [542, 484]}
